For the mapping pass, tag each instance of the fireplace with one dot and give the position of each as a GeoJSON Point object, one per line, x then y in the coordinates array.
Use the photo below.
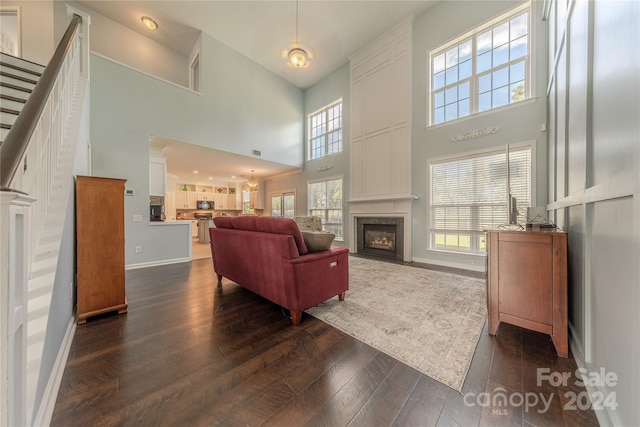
{"type": "Point", "coordinates": [380, 237]}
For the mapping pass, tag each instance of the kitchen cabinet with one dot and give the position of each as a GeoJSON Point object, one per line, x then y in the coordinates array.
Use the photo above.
{"type": "Point", "coordinates": [209, 197]}
{"type": "Point", "coordinates": [220, 201]}
{"type": "Point", "coordinates": [185, 200]}
{"type": "Point", "coordinates": [170, 206]}
{"type": "Point", "coordinates": [194, 228]}
{"type": "Point", "coordinates": [157, 175]}
{"type": "Point", "coordinates": [527, 282]}
{"type": "Point", "coordinates": [256, 199]}
{"type": "Point", "coordinates": [100, 246]}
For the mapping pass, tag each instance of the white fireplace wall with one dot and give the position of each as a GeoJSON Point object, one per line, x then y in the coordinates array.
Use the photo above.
{"type": "Point", "coordinates": [380, 144]}
{"type": "Point", "coordinates": [380, 159]}
{"type": "Point", "coordinates": [400, 208]}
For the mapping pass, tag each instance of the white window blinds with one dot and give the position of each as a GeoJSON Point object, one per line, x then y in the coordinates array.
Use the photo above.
{"type": "Point", "coordinates": [468, 195]}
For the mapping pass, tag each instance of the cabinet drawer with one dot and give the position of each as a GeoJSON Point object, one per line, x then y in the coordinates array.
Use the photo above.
{"type": "Point", "coordinates": [526, 238]}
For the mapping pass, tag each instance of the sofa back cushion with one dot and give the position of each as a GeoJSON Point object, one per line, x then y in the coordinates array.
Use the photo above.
{"type": "Point", "coordinates": [277, 225]}
{"type": "Point", "coordinates": [265, 224]}
{"type": "Point", "coordinates": [245, 222]}
{"type": "Point", "coordinates": [223, 221]}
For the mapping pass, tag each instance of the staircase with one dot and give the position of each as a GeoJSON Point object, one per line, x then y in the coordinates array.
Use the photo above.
{"type": "Point", "coordinates": [18, 77]}
{"type": "Point", "coordinates": [41, 119]}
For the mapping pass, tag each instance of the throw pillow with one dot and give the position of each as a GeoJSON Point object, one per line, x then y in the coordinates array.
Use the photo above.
{"type": "Point", "coordinates": [317, 240]}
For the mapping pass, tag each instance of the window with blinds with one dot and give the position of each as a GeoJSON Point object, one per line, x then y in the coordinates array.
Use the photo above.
{"type": "Point", "coordinates": [469, 195]}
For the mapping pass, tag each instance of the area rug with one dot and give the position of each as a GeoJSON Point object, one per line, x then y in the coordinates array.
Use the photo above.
{"type": "Point", "coordinates": [426, 319]}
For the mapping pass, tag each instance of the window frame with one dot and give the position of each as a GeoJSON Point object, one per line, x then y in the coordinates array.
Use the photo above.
{"type": "Point", "coordinates": [475, 241]}
{"type": "Point", "coordinates": [282, 195]}
{"type": "Point", "coordinates": [474, 95]}
{"type": "Point", "coordinates": [326, 217]}
{"type": "Point", "coordinates": [324, 110]}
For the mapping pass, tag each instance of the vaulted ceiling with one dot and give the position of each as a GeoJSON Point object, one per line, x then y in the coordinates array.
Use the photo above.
{"type": "Point", "coordinates": [265, 30]}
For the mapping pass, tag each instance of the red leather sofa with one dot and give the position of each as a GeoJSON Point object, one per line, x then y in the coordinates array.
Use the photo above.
{"type": "Point", "coordinates": [268, 256]}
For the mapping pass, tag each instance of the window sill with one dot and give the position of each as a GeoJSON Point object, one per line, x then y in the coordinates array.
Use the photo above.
{"type": "Point", "coordinates": [528, 101]}
{"type": "Point", "coordinates": [325, 157]}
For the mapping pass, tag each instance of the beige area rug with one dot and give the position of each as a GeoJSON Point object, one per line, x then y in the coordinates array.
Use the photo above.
{"type": "Point", "coordinates": [426, 319]}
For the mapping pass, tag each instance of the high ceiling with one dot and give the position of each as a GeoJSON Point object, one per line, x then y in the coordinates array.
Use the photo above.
{"type": "Point", "coordinates": [265, 30]}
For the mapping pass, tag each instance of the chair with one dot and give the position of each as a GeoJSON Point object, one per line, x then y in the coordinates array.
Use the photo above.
{"type": "Point", "coordinates": [309, 223]}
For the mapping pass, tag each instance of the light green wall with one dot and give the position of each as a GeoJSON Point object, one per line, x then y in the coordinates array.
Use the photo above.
{"type": "Point", "coordinates": [241, 106]}
{"type": "Point", "coordinates": [594, 191]}
{"type": "Point", "coordinates": [328, 90]}
{"type": "Point", "coordinates": [441, 23]}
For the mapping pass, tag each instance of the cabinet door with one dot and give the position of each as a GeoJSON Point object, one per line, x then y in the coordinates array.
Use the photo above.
{"type": "Point", "coordinates": [191, 200]}
{"type": "Point", "coordinates": [220, 201]}
{"type": "Point", "coordinates": [157, 178]}
{"type": "Point", "coordinates": [231, 201]}
{"type": "Point", "coordinates": [525, 282]}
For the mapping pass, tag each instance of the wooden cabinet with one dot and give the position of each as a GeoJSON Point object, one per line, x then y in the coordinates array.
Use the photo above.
{"type": "Point", "coordinates": [100, 246]}
{"type": "Point", "coordinates": [527, 282]}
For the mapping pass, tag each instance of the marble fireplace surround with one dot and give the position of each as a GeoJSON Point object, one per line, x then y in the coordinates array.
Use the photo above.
{"type": "Point", "coordinates": [389, 208]}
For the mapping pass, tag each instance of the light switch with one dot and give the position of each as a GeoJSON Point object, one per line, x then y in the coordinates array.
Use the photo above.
{"type": "Point", "coordinates": [137, 218]}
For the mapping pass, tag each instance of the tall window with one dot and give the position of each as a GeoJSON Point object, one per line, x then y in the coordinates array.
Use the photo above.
{"type": "Point", "coordinates": [469, 195]}
{"type": "Point", "coordinates": [283, 205]}
{"type": "Point", "coordinates": [325, 131]}
{"type": "Point", "coordinates": [325, 201]}
{"type": "Point", "coordinates": [485, 69]}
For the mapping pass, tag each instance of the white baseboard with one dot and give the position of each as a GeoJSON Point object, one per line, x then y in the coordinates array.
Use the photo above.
{"type": "Point", "coordinates": [605, 416]}
{"type": "Point", "coordinates": [48, 402]}
{"type": "Point", "coordinates": [460, 266]}
{"type": "Point", "coordinates": [155, 263]}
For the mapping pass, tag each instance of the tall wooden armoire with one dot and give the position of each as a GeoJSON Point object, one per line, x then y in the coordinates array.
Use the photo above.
{"type": "Point", "coordinates": [100, 246]}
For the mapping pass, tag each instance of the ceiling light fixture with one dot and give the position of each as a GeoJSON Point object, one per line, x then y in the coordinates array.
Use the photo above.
{"type": "Point", "coordinates": [297, 56]}
{"type": "Point", "coordinates": [149, 23]}
{"type": "Point", "coordinates": [252, 182]}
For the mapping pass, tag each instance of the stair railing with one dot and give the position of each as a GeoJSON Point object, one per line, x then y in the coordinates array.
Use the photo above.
{"type": "Point", "coordinates": [30, 159]}
{"type": "Point", "coordinates": [18, 138]}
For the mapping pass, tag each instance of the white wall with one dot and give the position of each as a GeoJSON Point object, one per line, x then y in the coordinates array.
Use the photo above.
{"type": "Point", "coordinates": [594, 134]}
{"type": "Point", "coordinates": [37, 32]}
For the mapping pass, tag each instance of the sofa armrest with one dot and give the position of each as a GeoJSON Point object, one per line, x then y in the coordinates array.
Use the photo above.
{"type": "Point", "coordinates": [313, 278]}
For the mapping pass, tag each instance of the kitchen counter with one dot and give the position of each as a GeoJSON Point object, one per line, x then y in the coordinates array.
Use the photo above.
{"type": "Point", "coordinates": [156, 223]}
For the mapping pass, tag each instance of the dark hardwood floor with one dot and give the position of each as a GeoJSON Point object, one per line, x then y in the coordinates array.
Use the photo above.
{"type": "Point", "coordinates": [190, 353]}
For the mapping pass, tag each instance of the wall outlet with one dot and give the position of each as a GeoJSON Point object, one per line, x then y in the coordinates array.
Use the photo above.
{"type": "Point", "coordinates": [139, 249]}
{"type": "Point", "coordinates": [137, 218]}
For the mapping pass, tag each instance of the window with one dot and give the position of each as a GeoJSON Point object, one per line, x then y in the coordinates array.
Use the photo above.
{"type": "Point", "coordinates": [246, 203]}
{"type": "Point", "coordinates": [283, 205]}
{"type": "Point", "coordinates": [325, 201]}
{"type": "Point", "coordinates": [469, 194]}
{"type": "Point", "coordinates": [487, 68]}
{"type": "Point", "coordinates": [325, 131]}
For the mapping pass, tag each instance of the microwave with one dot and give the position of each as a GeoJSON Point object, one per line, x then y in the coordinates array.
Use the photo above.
{"type": "Point", "coordinates": [204, 204]}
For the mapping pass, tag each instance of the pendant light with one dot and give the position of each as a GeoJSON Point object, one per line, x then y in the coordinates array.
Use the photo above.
{"type": "Point", "coordinates": [297, 56]}
{"type": "Point", "coordinates": [252, 183]}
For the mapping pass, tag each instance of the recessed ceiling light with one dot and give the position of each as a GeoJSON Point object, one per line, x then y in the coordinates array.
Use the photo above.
{"type": "Point", "coordinates": [210, 178]}
{"type": "Point", "coordinates": [196, 172]}
{"type": "Point", "coordinates": [233, 176]}
{"type": "Point", "coordinates": [149, 23]}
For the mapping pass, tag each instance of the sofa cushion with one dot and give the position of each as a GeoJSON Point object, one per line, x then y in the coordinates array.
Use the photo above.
{"type": "Point", "coordinates": [244, 222]}
{"type": "Point", "coordinates": [277, 225]}
{"type": "Point", "coordinates": [223, 221]}
{"type": "Point", "coordinates": [317, 241]}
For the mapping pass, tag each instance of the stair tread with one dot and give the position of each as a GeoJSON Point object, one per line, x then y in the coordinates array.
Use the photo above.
{"type": "Point", "coordinates": [17, 77]}
{"type": "Point", "coordinates": [14, 61]}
